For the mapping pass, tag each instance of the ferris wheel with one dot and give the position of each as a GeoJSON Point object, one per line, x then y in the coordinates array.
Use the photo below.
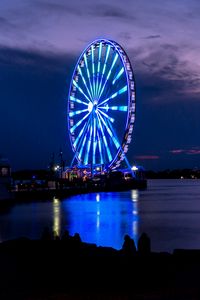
{"type": "Point", "coordinates": [101, 105]}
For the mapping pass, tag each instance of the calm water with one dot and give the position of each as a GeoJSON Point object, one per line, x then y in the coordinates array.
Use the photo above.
{"type": "Point", "coordinates": [168, 210]}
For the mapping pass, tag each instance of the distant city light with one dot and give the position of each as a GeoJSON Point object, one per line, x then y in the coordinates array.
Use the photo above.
{"type": "Point", "coordinates": [56, 168]}
{"type": "Point", "coordinates": [134, 168]}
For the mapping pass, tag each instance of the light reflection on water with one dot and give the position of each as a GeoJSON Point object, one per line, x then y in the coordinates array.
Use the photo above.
{"type": "Point", "coordinates": [168, 210]}
{"type": "Point", "coordinates": [56, 216]}
{"type": "Point", "coordinates": [103, 218]}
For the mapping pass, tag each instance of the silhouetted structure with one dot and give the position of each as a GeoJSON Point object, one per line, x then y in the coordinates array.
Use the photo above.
{"type": "Point", "coordinates": [46, 235]}
{"type": "Point", "coordinates": [77, 240]}
{"type": "Point", "coordinates": [144, 244]}
{"type": "Point", "coordinates": [65, 236]}
{"type": "Point", "coordinates": [56, 270]}
{"type": "Point", "coordinates": [128, 246]}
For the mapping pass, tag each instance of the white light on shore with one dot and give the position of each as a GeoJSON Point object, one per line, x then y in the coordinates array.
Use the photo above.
{"type": "Point", "coordinates": [134, 168]}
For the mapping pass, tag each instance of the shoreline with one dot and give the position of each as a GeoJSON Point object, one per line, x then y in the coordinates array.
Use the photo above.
{"type": "Point", "coordinates": [27, 196]}
{"type": "Point", "coordinates": [49, 269]}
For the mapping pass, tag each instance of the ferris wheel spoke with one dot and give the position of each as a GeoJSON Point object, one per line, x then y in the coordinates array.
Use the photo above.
{"type": "Point", "coordinates": [104, 139]}
{"type": "Point", "coordinates": [100, 149]}
{"type": "Point", "coordinates": [115, 141]}
{"type": "Point", "coordinates": [88, 147]}
{"type": "Point", "coordinates": [108, 75]}
{"type": "Point", "coordinates": [77, 112]}
{"type": "Point", "coordinates": [93, 71]}
{"type": "Point", "coordinates": [88, 74]}
{"type": "Point", "coordinates": [79, 123]}
{"type": "Point", "coordinates": [121, 91]}
{"type": "Point", "coordinates": [118, 108]}
{"type": "Point", "coordinates": [84, 81]}
{"type": "Point", "coordinates": [94, 142]}
{"type": "Point", "coordinates": [114, 133]}
{"type": "Point", "coordinates": [80, 89]}
{"type": "Point", "coordinates": [104, 68]}
{"type": "Point", "coordinates": [80, 134]}
{"type": "Point", "coordinates": [118, 75]}
{"type": "Point", "coordinates": [82, 146]}
{"type": "Point", "coordinates": [72, 98]}
{"type": "Point", "coordinates": [82, 142]}
{"type": "Point", "coordinates": [98, 68]}
{"type": "Point", "coordinates": [105, 115]}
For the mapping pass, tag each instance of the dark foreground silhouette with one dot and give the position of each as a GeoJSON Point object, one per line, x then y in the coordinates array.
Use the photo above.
{"type": "Point", "coordinates": [65, 267]}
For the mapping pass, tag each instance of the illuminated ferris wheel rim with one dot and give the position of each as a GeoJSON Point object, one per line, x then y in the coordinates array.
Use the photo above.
{"type": "Point", "coordinates": [130, 88]}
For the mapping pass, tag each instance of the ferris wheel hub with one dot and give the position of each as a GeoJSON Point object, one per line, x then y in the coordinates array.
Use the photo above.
{"type": "Point", "coordinates": [90, 106]}
{"type": "Point", "coordinates": [95, 103]}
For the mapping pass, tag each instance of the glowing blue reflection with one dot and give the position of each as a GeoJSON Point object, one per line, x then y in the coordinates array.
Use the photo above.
{"type": "Point", "coordinates": [103, 218]}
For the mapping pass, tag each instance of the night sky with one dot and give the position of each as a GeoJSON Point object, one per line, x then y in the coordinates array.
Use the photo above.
{"type": "Point", "coordinates": [40, 41]}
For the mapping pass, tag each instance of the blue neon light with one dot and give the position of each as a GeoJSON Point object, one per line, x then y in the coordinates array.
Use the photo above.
{"type": "Point", "coordinates": [79, 135]}
{"type": "Point", "coordinates": [100, 149]}
{"type": "Point", "coordinates": [80, 89]}
{"type": "Point", "coordinates": [108, 117]}
{"type": "Point", "coordinates": [110, 133]}
{"type": "Point", "coordinates": [84, 81]}
{"type": "Point", "coordinates": [94, 141]}
{"type": "Point", "coordinates": [93, 71]}
{"type": "Point", "coordinates": [108, 76]}
{"type": "Point", "coordinates": [105, 141]}
{"type": "Point", "coordinates": [88, 147]}
{"type": "Point", "coordinates": [99, 61]}
{"type": "Point", "coordinates": [88, 74]}
{"type": "Point", "coordinates": [104, 68]}
{"type": "Point", "coordinates": [98, 79]}
{"type": "Point", "coordinates": [118, 75]}
{"type": "Point", "coordinates": [121, 91]}
{"type": "Point", "coordinates": [98, 68]}
{"type": "Point", "coordinates": [83, 144]}
{"type": "Point", "coordinates": [119, 108]}
{"type": "Point", "coordinates": [72, 98]}
{"type": "Point", "coordinates": [78, 112]}
{"type": "Point", "coordinates": [79, 123]}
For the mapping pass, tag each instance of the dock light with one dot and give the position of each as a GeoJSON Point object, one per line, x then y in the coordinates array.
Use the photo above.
{"type": "Point", "coordinates": [134, 168]}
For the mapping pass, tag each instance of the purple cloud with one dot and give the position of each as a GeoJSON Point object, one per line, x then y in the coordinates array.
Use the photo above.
{"type": "Point", "coordinates": [193, 151]}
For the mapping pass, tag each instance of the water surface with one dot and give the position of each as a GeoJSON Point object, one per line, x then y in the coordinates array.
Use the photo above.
{"type": "Point", "coordinates": [168, 211]}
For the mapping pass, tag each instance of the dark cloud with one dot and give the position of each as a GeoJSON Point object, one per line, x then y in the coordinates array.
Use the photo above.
{"type": "Point", "coordinates": [34, 91]}
{"type": "Point", "coordinates": [111, 11]}
{"type": "Point", "coordinates": [125, 36]}
{"type": "Point", "coordinates": [5, 24]}
{"type": "Point", "coordinates": [53, 7]}
{"type": "Point", "coordinates": [156, 36]}
{"type": "Point", "coordinates": [170, 74]}
{"type": "Point", "coordinates": [166, 114]}
{"type": "Point", "coordinates": [33, 59]}
{"type": "Point", "coordinates": [83, 9]}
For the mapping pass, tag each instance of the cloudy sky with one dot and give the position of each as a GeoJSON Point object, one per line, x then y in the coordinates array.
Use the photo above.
{"type": "Point", "coordinates": [40, 41]}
